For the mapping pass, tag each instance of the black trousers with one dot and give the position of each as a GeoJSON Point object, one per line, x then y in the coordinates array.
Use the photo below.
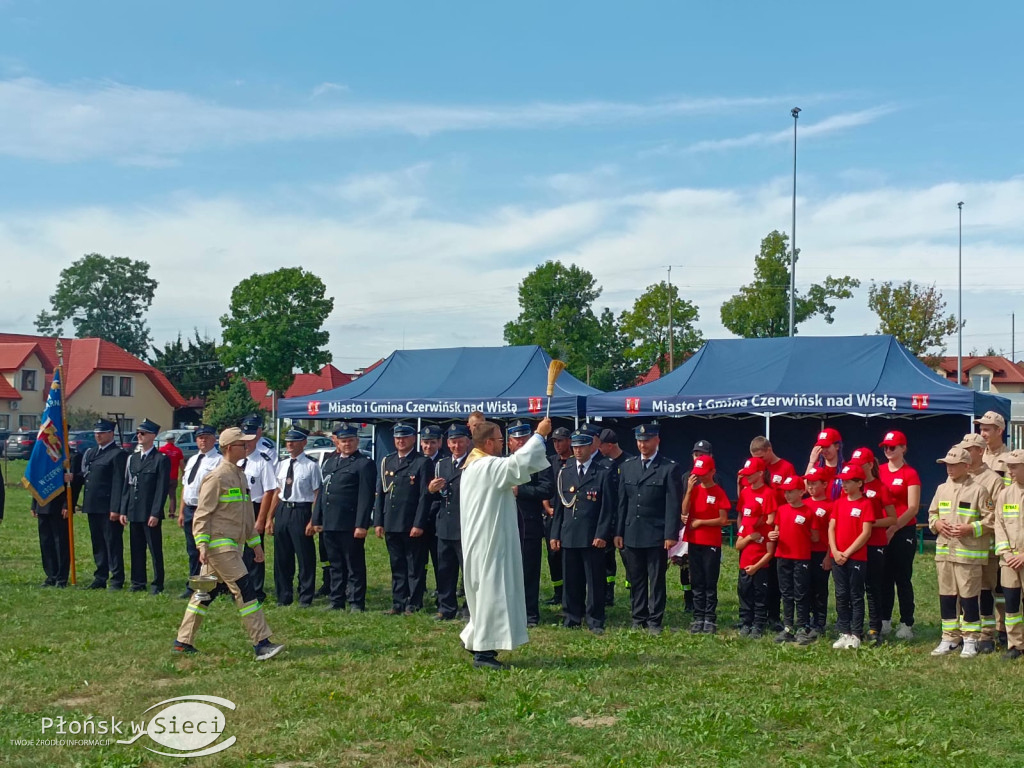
{"type": "Point", "coordinates": [899, 573]}
{"type": "Point", "coordinates": [819, 591]}
{"type": "Point", "coordinates": [532, 551]}
{"type": "Point", "coordinates": [408, 569]}
{"type": "Point", "coordinates": [140, 538]}
{"type": "Point", "coordinates": [449, 564]}
{"type": "Point", "coordinates": [432, 544]}
{"type": "Point", "coordinates": [874, 583]}
{"type": "Point", "coordinates": [610, 572]}
{"type": "Point", "coordinates": [325, 566]}
{"type": "Point", "coordinates": [849, 578]}
{"type": "Point", "coordinates": [583, 594]}
{"type": "Point", "coordinates": [290, 544]}
{"type": "Point", "coordinates": [752, 592]}
{"type": "Point", "coordinates": [428, 541]}
{"type": "Point", "coordinates": [348, 568]}
{"type": "Point", "coordinates": [107, 549]}
{"type": "Point", "coordinates": [794, 583]}
{"type": "Point", "coordinates": [774, 599]}
{"type": "Point", "coordinates": [705, 568]}
{"type": "Point", "coordinates": [54, 548]}
{"type": "Point", "coordinates": [257, 571]}
{"type": "Point", "coordinates": [645, 569]}
{"type": "Point", "coordinates": [190, 542]}
{"type": "Point", "coordinates": [554, 559]}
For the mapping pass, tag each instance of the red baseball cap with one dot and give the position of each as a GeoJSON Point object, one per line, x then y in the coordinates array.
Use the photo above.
{"type": "Point", "coordinates": [852, 472]}
{"type": "Point", "coordinates": [829, 436]}
{"type": "Point", "coordinates": [791, 483]}
{"type": "Point", "coordinates": [893, 438]}
{"type": "Point", "coordinates": [703, 466]}
{"type": "Point", "coordinates": [822, 474]}
{"type": "Point", "coordinates": [862, 456]}
{"type": "Point", "coordinates": [752, 466]}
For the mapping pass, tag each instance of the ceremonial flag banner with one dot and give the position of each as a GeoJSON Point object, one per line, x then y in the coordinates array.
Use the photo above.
{"type": "Point", "coordinates": [44, 476]}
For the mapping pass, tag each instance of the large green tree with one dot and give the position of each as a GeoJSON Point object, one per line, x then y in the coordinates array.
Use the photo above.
{"type": "Point", "coordinates": [227, 407]}
{"type": "Point", "coordinates": [103, 296]}
{"type": "Point", "coordinates": [761, 309]}
{"type": "Point", "coordinates": [612, 368]}
{"type": "Point", "coordinates": [914, 314]}
{"type": "Point", "coordinates": [275, 325]}
{"type": "Point", "coordinates": [193, 368]}
{"type": "Point", "coordinates": [645, 327]}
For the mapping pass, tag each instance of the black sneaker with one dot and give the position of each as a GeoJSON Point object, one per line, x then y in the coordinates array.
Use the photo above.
{"type": "Point", "coordinates": [710, 628]}
{"type": "Point", "coordinates": [874, 638]}
{"type": "Point", "coordinates": [804, 637]}
{"type": "Point", "coordinates": [487, 661]}
{"type": "Point", "coordinates": [1013, 654]}
{"type": "Point", "coordinates": [267, 650]}
{"type": "Point", "coordinates": [745, 630]}
{"type": "Point", "coordinates": [184, 648]}
{"type": "Point", "coordinates": [785, 636]}
{"type": "Point", "coordinates": [756, 633]}
{"type": "Point", "coordinates": [655, 630]}
{"type": "Point", "coordinates": [986, 646]}
{"type": "Point", "coordinates": [1001, 639]}
{"type": "Point", "coordinates": [697, 628]}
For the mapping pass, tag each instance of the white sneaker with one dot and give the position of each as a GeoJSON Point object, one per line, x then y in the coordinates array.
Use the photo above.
{"type": "Point", "coordinates": [903, 632]}
{"type": "Point", "coordinates": [944, 647]}
{"type": "Point", "coordinates": [853, 643]}
{"type": "Point", "coordinates": [886, 627]}
{"type": "Point", "coordinates": [970, 649]}
{"type": "Point", "coordinates": [840, 643]}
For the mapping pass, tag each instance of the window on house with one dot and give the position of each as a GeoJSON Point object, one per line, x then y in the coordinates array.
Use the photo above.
{"type": "Point", "coordinates": [28, 423]}
{"type": "Point", "coordinates": [107, 386]}
{"type": "Point", "coordinates": [28, 381]}
{"type": "Point", "coordinates": [981, 382]}
{"type": "Point", "coordinates": [5, 421]}
{"type": "Point", "coordinates": [128, 427]}
{"type": "Point", "coordinates": [126, 386]}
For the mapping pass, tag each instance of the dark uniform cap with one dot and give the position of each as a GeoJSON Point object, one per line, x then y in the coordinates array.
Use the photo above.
{"type": "Point", "coordinates": [592, 429]}
{"type": "Point", "coordinates": [403, 430]}
{"type": "Point", "coordinates": [431, 432]}
{"type": "Point", "coordinates": [458, 430]}
{"type": "Point", "coordinates": [520, 428]}
{"type": "Point", "coordinates": [295, 434]}
{"type": "Point", "coordinates": [253, 418]}
{"type": "Point", "coordinates": [645, 431]}
{"type": "Point", "coordinates": [608, 436]}
{"type": "Point", "coordinates": [345, 429]}
{"type": "Point", "coordinates": [103, 425]}
{"type": "Point", "coordinates": [702, 446]}
{"type": "Point", "coordinates": [206, 429]}
{"type": "Point", "coordinates": [582, 437]}
{"type": "Point", "coordinates": [148, 426]}
{"type": "Point", "coordinates": [250, 427]}
{"type": "Point", "coordinates": [561, 433]}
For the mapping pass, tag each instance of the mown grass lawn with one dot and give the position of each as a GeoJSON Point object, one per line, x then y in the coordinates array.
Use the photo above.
{"type": "Point", "coordinates": [374, 690]}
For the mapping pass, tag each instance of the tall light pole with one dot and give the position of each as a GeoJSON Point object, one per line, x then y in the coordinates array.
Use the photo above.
{"type": "Point", "coordinates": [671, 360]}
{"type": "Point", "coordinates": [795, 112]}
{"type": "Point", "coordinates": [960, 295]}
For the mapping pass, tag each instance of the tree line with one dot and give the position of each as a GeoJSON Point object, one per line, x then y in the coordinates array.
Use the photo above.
{"type": "Point", "coordinates": [267, 334]}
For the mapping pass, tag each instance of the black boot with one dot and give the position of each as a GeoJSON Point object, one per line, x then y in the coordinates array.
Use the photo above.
{"type": "Point", "coordinates": [325, 586]}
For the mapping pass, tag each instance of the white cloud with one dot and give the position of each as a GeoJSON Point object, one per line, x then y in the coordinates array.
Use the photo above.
{"type": "Point", "coordinates": [66, 123]}
{"type": "Point", "coordinates": [325, 88]}
{"type": "Point", "coordinates": [402, 275]}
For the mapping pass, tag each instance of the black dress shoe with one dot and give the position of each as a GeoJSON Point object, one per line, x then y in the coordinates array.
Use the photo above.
{"type": "Point", "coordinates": [305, 605]}
{"type": "Point", "coordinates": [186, 595]}
{"type": "Point", "coordinates": [1012, 654]}
{"type": "Point", "coordinates": [97, 584]}
{"type": "Point", "coordinates": [331, 607]}
{"type": "Point", "coordinates": [357, 609]}
{"type": "Point", "coordinates": [136, 588]}
{"type": "Point", "coordinates": [597, 630]}
{"type": "Point", "coordinates": [115, 587]}
{"type": "Point", "coordinates": [155, 590]}
{"type": "Point", "coordinates": [487, 660]}
{"type": "Point", "coordinates": [49, 583]}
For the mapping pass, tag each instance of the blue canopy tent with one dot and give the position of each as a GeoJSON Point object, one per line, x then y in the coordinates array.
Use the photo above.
{"type": "Point", "coordinates": [789, 388]}
{"type": "Point", "coordinates": [502, 382]}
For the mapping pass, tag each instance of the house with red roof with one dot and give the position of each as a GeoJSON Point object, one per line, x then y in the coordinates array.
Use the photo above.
{"type": "Point", "coordinates": [988, 373]}
{"type": "Point", "coordinates": [326, 378]}
{"type": "Point", "coordinates": [98, 376]}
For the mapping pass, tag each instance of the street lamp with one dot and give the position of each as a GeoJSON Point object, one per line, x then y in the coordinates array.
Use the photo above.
{"type": "Point", "coordinates": [960, 296]}
{"type": "Point", "coordinates": [795, 112]}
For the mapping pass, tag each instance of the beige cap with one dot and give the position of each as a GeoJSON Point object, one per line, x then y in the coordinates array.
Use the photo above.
{"type": "Point", "coordinates": [1013, 457]}
{"type": "Point", "coordinates": [956, 455]}
{"type": "Point", "coordinates": [991, 417]}
{"type": "Point", "coordinates": [233, 435]}
{"type": "Point", "coordinates": [973, 440]}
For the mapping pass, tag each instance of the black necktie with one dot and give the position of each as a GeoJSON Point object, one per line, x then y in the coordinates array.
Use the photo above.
{"type": "Point", "coordinates": [289, 479]}
{"type": "Point", "coordinates": [245, 463]}
{"type": "Point", "coordinates": [581, 470]}
{"type": "Point", "coordinates": [647, 464]}
{"type": "Point", "coordinates": [195, 469]}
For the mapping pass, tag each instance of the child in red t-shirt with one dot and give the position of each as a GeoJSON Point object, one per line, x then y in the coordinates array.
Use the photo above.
{"type": "Point", "coordinates": [817, 483]}
{"type": "Point", "coordinates": [794, 525]}
{"type": "Point", "coordinates": [755, 523]}
{"type": "Point", "coordinates": [848, 533]}
{"type": "Point", "coordinates": [705, 511]}
{"type": "Point", "coordinates": [904, 484]}
{"type": "Point", "coordinates": [754, 489]}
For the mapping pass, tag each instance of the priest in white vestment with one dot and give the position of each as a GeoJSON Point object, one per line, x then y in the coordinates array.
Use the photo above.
{"type": "Point", "coordinates": [492, 554]}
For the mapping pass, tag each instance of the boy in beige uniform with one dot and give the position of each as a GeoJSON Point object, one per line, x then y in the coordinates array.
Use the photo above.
{"type": "Point", "coordinates": [1009, 528]}
{"type": "Point", "coordinates": [960, 517]}
{"type": "Point", "coordinates": [992, 426]}
{"type": "Point", "coordinates": [223, 525]}
{"type": "Point", "coordinates": [992, 610]}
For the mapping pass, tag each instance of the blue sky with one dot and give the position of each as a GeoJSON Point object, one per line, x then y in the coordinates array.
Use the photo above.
{"type": "Point", "coordinates": [423, 157]}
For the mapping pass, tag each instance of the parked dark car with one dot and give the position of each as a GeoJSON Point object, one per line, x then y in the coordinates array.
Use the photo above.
{"type": "Point", "coordinates": [130, 442]}
{"type": "Point", "coordinates": [20, 444]}
{"type": "Point", "coordinates": [4, 434]}
{"type": "Point", "coordinates": [81, 441]}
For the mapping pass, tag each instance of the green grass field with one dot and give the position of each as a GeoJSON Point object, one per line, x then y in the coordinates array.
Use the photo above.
{"type": "Point", "coordinates": [374, 690]}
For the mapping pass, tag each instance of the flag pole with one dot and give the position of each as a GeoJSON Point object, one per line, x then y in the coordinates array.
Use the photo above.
{"type": "Point", "coordinates": [67, 466]}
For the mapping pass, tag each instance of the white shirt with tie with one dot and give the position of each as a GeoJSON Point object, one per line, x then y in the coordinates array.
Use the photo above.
{"type": "Point", "coordinates": [306, 480]}
{"type": "Point", "coordinates": [207, 463]}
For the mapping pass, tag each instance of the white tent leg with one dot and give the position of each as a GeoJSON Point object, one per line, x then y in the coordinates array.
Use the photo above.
{"type": "Point", "coordinates": [768, 426]}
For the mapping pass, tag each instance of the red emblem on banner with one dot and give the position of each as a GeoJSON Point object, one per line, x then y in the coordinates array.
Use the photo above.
{"type": "Point", "coordinates": [919, 402]}
{"type": "Point", "coordinates": [632, 405]}
{"type": "Point", "coordinates": [313, 407]}
{"type": "Point", "coordinates": [536, 404]}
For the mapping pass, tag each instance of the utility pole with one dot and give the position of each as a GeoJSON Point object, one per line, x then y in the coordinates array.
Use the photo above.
{"type": "Point", "coordinates": [671, 353]}
{"type": "Point", "coordinates": [795, 112]}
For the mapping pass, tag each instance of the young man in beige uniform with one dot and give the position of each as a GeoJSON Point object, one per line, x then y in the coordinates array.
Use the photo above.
{"type": "Point", "coordinates": [991, 426]}
{"type": "Point", "coordinates": [992, 611]}
{"type": "Point", "coordinates": [1009, 527]}
{"type": "Point", "coordinates": [223, 525]}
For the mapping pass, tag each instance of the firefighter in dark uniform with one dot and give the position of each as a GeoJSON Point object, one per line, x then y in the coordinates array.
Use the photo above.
{"type": "Point", "coordinates": [582, 528]}
{"type": "Point", "coordinates": [399, 517]}
{"type": "Point", "coordinates": [530, 498]}
{"type": "Point", "coordinates": [613, 456]}
{"type": "Point", "coordinates": [650, 499]}
{"type": "Point", "coordinates": [147, 481]}
{"type": "Point", "coordinates": [444, 494]}
{"type": "Point", "coordinates": [54, 540]}
{"type": "Point", "coordinates": [431, 437]}
{"type": "Point", "coordinates": [103, 471]}
{"type": "Point", "coordinates": [342, 513]}
{"type": "Point", "coordinates": [560, 439]}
